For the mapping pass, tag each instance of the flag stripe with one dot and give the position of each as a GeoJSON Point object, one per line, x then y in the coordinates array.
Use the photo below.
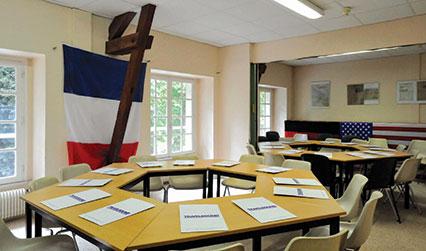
{"type": "Point", "coordinates": [407, 134]}
{"type": "Point", "coordinates": [400, 129]}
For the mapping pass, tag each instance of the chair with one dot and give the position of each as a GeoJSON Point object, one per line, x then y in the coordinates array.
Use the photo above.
{"type": "Point", "coordinates": [400, 147]}
{"type": "Point", "coordinates": [334, 140]}
{"type": "Point", "coordinates": [323, 169]}
{"type": "Point", "coordinates": [381, 177]}
{"type": "Point", "coordinates": [186, 182]}
{"type": "Point", "coordinates": [351, 198]}
{"type": "Point", "coordinates": [359, 230]}
{"type": "Point", "coordinates": [155, 183]}
{"type": "Point", "coordinates": [297, 164]}
{"type": "Point", "coordinates": [381, 142]}
{"type": "Point", "coordinates": [49, 243]}
{"type": "Point", "coordinates": [334, 242]}
{"type": "Point", "coordinates": [348, 138]}
{"type": "Point", "coordinates": [239, 183]}
{"type": "Point", "coordinates": [262, 139]}
{"type": "Point", "coordinates": [251, 149]}
{"type": "Point", "coordinates": [272, 136]}
{"type": "Point", "coordinates": [273, 159]}
{"type": "Point", "coordinates": [359, 141]}
{"type": "Point", "coordinates": [405, 175]}
{"type": "Point", "coordinates": [323, 136]}
{"type": "Point", "coordinates": [300, 137]}
{"type": "Point", "coordinates": [234, 247]}
{"type": "Point", "coordinates": [72, 171]}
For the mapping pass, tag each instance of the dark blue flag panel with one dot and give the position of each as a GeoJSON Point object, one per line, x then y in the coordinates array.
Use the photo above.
{"type": "Point", "coordinates": [362, 130]}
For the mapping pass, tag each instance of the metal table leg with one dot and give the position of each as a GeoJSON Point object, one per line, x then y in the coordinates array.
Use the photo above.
{"type": "Point", "coordinates": [37, 228]}
{"type": "Point", "coordinates": [335, 226]}
{"type": "Point", "coordinates": [28, 220]}
{"type": "Point", "coordinates": [218, 185]}
{"type": "Point", "coordinates": [210, 184]}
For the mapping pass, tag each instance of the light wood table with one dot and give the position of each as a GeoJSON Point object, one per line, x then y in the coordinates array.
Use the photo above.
{"type": "Point", "coordinates": [159, 228]}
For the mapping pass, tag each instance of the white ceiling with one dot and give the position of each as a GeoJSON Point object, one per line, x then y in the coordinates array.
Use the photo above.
{"type": "Point", "coordinates": [399, 51]}
{"type": "Point", "coordinates": [228, 22]}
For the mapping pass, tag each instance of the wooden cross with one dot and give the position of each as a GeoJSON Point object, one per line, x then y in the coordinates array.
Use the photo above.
{"type": "Point", "coordinates": [135, 44]}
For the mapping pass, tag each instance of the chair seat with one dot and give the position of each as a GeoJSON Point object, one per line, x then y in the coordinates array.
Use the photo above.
{"type": "Point", "coordinates": [186, 182]}
{"type": "Point", "coordinates": [325, 230]}
{"type": "Point", "coordinates": [49, 243]}
{"type": "Point", "coordinates": [155, 184]}
{"type": "Point", "coordinates": [239, 183]}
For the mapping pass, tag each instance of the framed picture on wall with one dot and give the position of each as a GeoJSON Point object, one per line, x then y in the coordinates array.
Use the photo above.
{"type": "Point", "coordinates": [363, 94]}
{"type": "Point", "coordinates": [411, 91]}
{"type": "Point", "coordinates": [320, 93]}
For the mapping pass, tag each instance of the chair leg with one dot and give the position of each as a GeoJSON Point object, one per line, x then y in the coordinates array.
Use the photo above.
{"type": "Point", "coordinates": [391, 198]}
{"type": "Point", "coordinates": [166, 194]}
{"type": "Point", "coordinates": [75, 240]}
{"type": "Point", "coordinates": [419, 210]}
{"type": "Point", "coordinates": [226, 189]}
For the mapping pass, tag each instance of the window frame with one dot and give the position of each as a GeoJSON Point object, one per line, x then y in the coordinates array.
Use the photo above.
{"type": "Point", "coordinates": [20, 121]}
{"type": "Point", "coordinates": [270, 91]}
{"type": "Point", "coordinates": [169, 79]}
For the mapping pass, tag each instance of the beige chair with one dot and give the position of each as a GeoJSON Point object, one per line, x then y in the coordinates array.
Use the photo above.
{"type": "Point", "coordinates": [50, 243]}
{"type": "Point", "coordinates": [380, 142]}
{"type": "Point", "coordinates": [351, 199]}
{"type": "Point", "coordinates": [273, 159]}
{"type": "Point", "coordinates": [359, 141]}
{"type": "Point", "coordinates": [400, 147]}
{"type": "Point", "coordinates": [300, 137]}
{"type": "Point", "coordinates": [234, 247]}
{"type": "Point", "coordinates": [239, 183]}
{"type": "Point", "coordinates": [334, 140]}
{"type": "Point", "coordinates": [155, 183]}
{"type": "Point", "coordinates": [359, 230]}
{"type": "Point", "coordinates": [186, 182]}
{"type": "Point", "coordinates": [405, 175]}
{"type": "Point", "coordinates": [251, 149]}
{"type": "Point", "coordinates": [72, 171]}
{"type": "Point", "coordinates": [334, 242]}
{"type": "Point", "coordinates": [297, 164]}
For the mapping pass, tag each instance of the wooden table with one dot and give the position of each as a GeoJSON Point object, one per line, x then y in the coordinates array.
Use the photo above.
{"type": "Point", "coordinates": [159, 228]}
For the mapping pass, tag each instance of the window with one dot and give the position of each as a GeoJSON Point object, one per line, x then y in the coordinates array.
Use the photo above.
{"type": "Point", "coordinates": [12, 97]}
{"type": "Point", "coordinates": [265, 101]}
{"type": "Point", "coordinates": [171, 116]}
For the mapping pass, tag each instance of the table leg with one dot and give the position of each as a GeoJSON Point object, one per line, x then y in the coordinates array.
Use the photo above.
{"type": "Point", "coordinates": [335, 226]}
{"type": "Point", "coordinates": [305, 231]}
{"type": "Point", "coordinates": [28, 220]}
{"type": "Point", "coordinates": [340, 181]}
{"type": "Point", "coordinates": [407, 196]}
{"type": "Point", "coordinates": [257, 243]}
{"type": "Point", "coordinates": [204, 185]}
{"type": "Point", "coordinates": [218, 185]}
{"type": "Point", "coordinates": [146, 185]}
{"type": "Point", "coordinates": [37, 224]}
{"type": "Point", "coordinates": [210, 184]}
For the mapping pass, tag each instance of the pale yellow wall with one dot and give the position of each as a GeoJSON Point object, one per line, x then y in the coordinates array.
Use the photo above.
{"type": "Point", "coordinates": [386, 71]}
{"type": "Point", "coordinates": [204, 110]}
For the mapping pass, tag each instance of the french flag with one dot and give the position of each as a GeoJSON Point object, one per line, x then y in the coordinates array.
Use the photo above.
{"type": "Point", "coordinates": [92, 89]}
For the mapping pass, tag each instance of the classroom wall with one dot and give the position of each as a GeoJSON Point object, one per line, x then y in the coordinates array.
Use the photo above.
{"type": "Point", "coordinates": [386, 71]}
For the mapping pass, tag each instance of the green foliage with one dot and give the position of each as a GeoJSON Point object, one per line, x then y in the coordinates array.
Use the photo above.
{"type": "Point", "coordinates": [7, 79]}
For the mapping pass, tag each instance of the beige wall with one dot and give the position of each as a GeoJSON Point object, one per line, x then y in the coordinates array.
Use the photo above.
{"type": "Point", "coordinates": [386, 71]}
{"type": "Point", "coordinates": [204, 110]}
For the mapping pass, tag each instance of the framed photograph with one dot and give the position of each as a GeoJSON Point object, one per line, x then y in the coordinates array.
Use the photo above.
{"type": "Point", "coordinates": [320, 93]}
{"type": "Point", "coordinates": [363, 94]}
{"type": "Point", "coordinates": [411, 92]}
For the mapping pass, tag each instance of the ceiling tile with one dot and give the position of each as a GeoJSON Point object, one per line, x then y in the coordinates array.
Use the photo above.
{"type": "Point", "coordinates": [243, 29]}
{"type": "Point", "coordinates": [281, 21]}
{"type": "Point", "coordinates": [221, 4]}
{"type": "Point", "coordinates": [419, 7]}
{"type": "Point", "coordinates": [254, 10]}
{"type": "Point", "coordinates": [263, 36]}
{"type": "Point", "coordinates": [109, 8]}
{"type": "Point", "coordinates": [217, 37]}
{"type": "Point", "coordinates": [72, 3]}
{"type": "Point", "coordinates": [336, 23]}
{"type": "Point", "coordinates": [186, 28]}
{"type": "Point", "coordinates": [295, 31]}
{"type": "Point", "coordinates": [381, 15]}
{"type": "Point", "coordinates": [368, 5]}
{"type": "Point", "coordinates": [218, 20]}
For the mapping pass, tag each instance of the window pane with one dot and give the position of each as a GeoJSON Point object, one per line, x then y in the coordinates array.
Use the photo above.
{"type": "Point", "coordinates": [262, 97]}
{"type": "Point", "coordinates": [161, 142]}
{"type": "Point", "coordinates": [267, 97]}
{"type": "Point", "coordinates": [7, 136]}
{"type": "Point", "coordinates": [152, 88]}
{"type": "Point", "coordinates": [188, 125]}
{"type": "Point", "coordinates": [152, 106]}
{"type": "Point", "coordinates": [176, 140]}
{"type": "Point", "coordinates": [161, 87]}
{"type": "Point", "coordinates": [152, 142]}
{"type": "Point", "coordinates": [161, 123]}
{"type": "Point", "coordinates": [7, 79]}
{"type": "Point", "coordinates": [187, 143]}
{"type": "Point", "coordinates": [262, 122]}
{"type": "Point", "coordinates": [177, 107]}
{"type": "Point", "coordinates": [267, 122]}
{"type": "Point", "coordinates": [262, 132]}
{"type": "Point", "coordinates": [7, 107]}
{"type": "Point", "coordinates": [267, 110]}
{"type": "Point", "coordinates": [7, 164]}
{"type": "Point", "coordinates": [161, 107]}
{"type": "Point", "coordinates": [177, 121]}
{"type": "Point", "coordinates": [262, 110]}
{"type": "Point", "coordinates": [188, 90]}
{"type": "Point", "coordinates": [177, 89]}
{"type": "Point", "coordinates": [188, 108]}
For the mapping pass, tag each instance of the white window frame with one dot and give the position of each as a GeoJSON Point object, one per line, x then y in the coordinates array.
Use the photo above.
{"type": "Point", "coordinates": [270, 91]}
{"type": "Point", "coordinates": [169, 80]}
{"type": "Point", "coordinates": [20, 130]}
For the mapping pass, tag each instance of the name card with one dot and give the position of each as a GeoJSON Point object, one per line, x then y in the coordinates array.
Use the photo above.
{"type": "Point", "coordinates": [147, 164]}
{"type": "Point", "coordinates": [75, 199]}
{"type": "Point", "coordinates": [201, 218]}
{"type": "Point", "coordinates": [85, 182]}
{"type": "Point", "coordinates": [263, 210]}
{"type": "Point", "coordinates": [112, 171]}
{"type": "Point", "coordinates": [296, 181]}
{"type": "Point", "coordinates": [300, 192]}
{"type": "Point", "coordinates": [226, 163]}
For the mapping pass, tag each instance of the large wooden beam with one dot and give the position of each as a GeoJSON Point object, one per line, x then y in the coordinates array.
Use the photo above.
{"type": "Point", "coordinates": [125, 45]}
{"type": "Point", "coordinates": [131, 79]}
{"type": "Point", "coordinates": [119, 24]}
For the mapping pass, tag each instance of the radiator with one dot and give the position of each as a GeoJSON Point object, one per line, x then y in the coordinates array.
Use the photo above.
{"type": "Point", "coordinates": [11, 204]}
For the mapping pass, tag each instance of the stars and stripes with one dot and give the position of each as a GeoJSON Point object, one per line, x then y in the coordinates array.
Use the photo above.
{"type": "Point", "coordinates": [362, 130]}
{"type": "Point", "coordinates": [399, 133]}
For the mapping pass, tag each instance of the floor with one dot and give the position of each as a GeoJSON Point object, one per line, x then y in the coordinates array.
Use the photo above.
{"type": "Point", "coordinates": [386, 233]}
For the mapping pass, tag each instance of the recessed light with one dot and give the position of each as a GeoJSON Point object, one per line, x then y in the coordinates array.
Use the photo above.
{"type": "Point", "coordinates": [302, 7]}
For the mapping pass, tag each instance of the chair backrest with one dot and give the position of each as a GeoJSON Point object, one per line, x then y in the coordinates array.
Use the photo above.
{"type": "Point", "coordinates": [408, 171]}
{"type": "Point", "coordinates": [41, 183]}
{"type": "Point", "coordinates": [327, 243]}
{"type": "Point", "coordinates": [381, 174]}
{"type": "Point", "coordinates": [141, 158]}
{"type": "Point", "coordinates": [321, 167]}
{"type": "Point", "coordinates": [262, 139]}
{"type": "Point", "coordinates": [7, 239]}
{"type": "Point", "coordinates": [348, 138]}
{"type": "Point", "coordinates": [359, 141]}
{"type": "Point", "coordinates": [234, 247]}
{"type": "Point", "coordinates": [300, 137]}
{"type": "Point", "coordinates": [273, 159]}
{"type": "Point", "coordinates": [323, 136]}
{"type": "Point", "coordinates": [251, 149]}
{"type": "Point", "coordinates": [334, 140]}
{"type": "Point", "coordinates": [252, 158]}
{"type": "Point", "coordinates": [362, 228]}
{"type": "Point", "coordinates": [417, 146]}
{"type": "Point", "coordinates": [400, 147]}
{"type": "Point", "coordinates": [72, 171]}
{"type": "Point", "coordinates": [272, 136]}
{"type": "Point", "coordinates": [382, 142]}
{"type": "Point", "coordinates": [297, 164]}
{"type": "Point", "coordinates": [189, 156]}
{"type": "Point", "coordinates": [352, 195]}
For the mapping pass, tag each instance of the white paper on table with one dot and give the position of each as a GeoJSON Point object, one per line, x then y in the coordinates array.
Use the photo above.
{"type": "Point", "coordinates": [273, 169]}
{"type": "Point", "coordinates": [361, 155]}
{"type": "Point", "coordinates": [84, 182]}
{"type": "Point", "coordinates": [226, 163]}
{"type": "Point", "coordinates": [112, 170]}
{"type": "Point", "coordinates": [75, 199]}
{"type": "Point", "coordinates": [296, 181]}
{"type": "Point", "coordinates": [291, 151]}
{"type": "Point", "coordinates": [382, 149]}
{"type": "Point", "coordinates": [117, 211]}
{"type": "Point", "coordinates": [263, 210]}
{"type": "Point", "coordinates": [146, 164]}
{"type": "Point", "coordinates": [387, 154]}
{"type": "Point", "coordinates": [348, 143]}
{"type": "Point", "coordinates": [300, 192]}
{"type": "Point", "coordinates": [369, 146]}
{"type": "Point", "coordinates": [328, 142]}
{"type": "Point", "coordinates": [184, 163]}
{"type": "Point", "coordinates": [328, 155]}
{"type": "Point", "coordinates": [201, 218]}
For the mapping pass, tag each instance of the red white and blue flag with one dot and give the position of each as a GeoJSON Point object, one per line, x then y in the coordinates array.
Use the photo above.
{"type": "Point", "coordinates": [92, 89]}
{"type": "Point", "coordinates": [399, 133]}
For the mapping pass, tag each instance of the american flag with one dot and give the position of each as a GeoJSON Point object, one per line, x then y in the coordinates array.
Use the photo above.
{"type": "Point", "coordinates": [363, 130]}
{"type": "Point", "coordinates": [399, 133]}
